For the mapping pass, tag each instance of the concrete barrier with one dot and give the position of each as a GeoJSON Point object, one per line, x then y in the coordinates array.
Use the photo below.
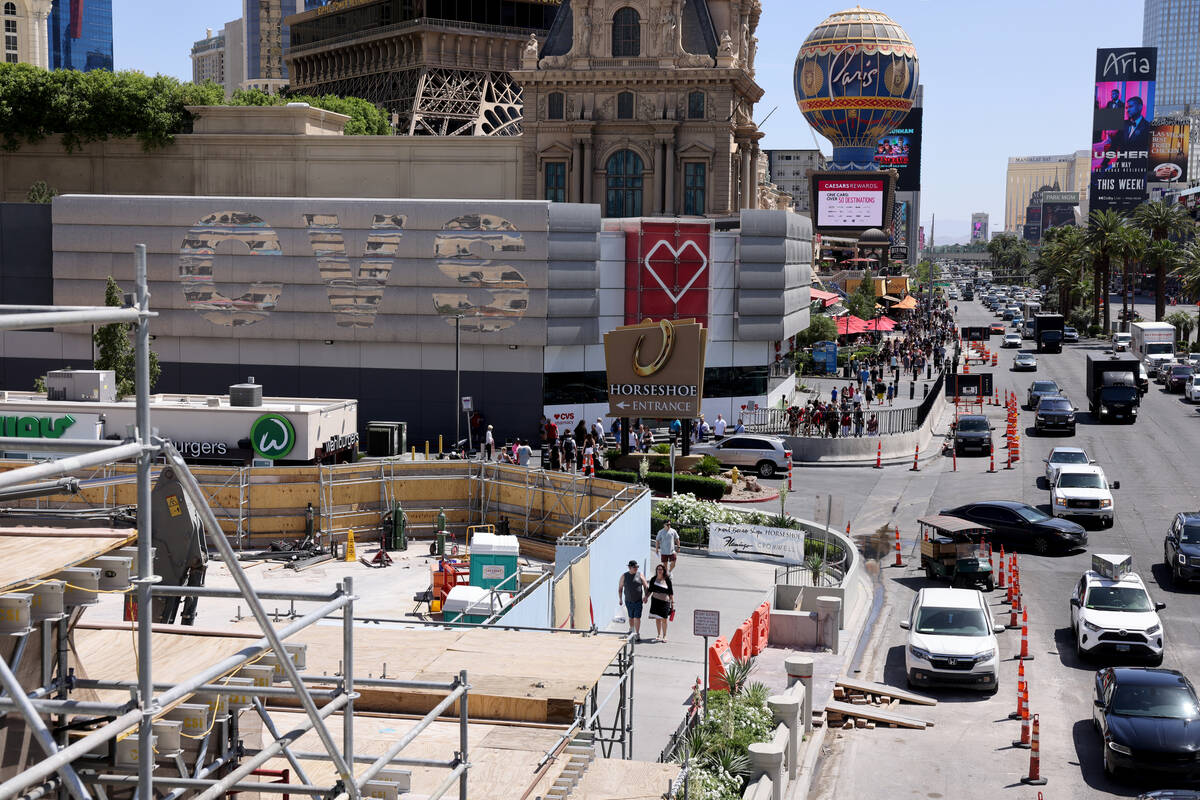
{"type": "Point", "coordinates": [810, 450]}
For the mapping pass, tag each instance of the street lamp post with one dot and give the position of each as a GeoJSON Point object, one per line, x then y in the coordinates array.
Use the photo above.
{"type": "Point", "coordinates": [457, 382]}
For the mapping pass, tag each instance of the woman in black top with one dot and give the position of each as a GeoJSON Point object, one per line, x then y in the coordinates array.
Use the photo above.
{"type": "Point", "coordinates": [662, 600]}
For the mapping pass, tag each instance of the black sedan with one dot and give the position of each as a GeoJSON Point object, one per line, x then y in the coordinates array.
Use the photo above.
{"type": "Point", "coordinates": [1149, 721]}
{"type": "Point", "coordinates": [1181, 548]}
{"type": "Point", "coordinates": [1020, 526]}
{"type": "Point", "coordinates": [1177, 377]}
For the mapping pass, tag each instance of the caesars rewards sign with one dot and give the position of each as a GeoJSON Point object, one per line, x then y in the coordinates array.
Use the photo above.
{"type": "Point", "coordinates": [656, 369]}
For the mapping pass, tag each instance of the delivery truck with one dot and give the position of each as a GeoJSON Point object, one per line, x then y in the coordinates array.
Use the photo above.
{"type": "Point", "coordinates": [1048, 332]}
{"type": "Point", "coordinates": [1112, 387]}
{"type": "Point", "coordinates": [1153, 344]}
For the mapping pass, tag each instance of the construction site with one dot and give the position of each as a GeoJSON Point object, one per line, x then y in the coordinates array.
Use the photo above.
{"type": "Point", "coordinates": [391, 628]}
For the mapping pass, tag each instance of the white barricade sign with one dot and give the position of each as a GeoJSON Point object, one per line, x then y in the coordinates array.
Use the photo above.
{"type": "Point", "coordinates": [756, 541]}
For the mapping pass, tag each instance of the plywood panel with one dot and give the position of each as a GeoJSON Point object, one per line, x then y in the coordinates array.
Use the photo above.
{"type": "Point", "coordinates": [28, 554]}
{"type": "Point", "coordinates": [613, 779]}
{"type": "Point", "coordinates": [503, 758]}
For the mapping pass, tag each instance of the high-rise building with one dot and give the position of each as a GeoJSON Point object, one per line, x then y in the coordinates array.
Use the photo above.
{"type": "Point", "coordinates": [790, 170]}
{"type": "Point", "coordinates": [266, 40]}
{"type": "Point", "coordinates": [1173, 26]}
{"type": "Point", "coordinates": [979, 228]}
{"type": "Point", "coordinates": [208, 58]}
{"type": "Point", "coordinates": [1070, 172]}
{"type": "Point", "coordinates": [59, 34]}
{"type": "Point", "coordinates": [80, 34]}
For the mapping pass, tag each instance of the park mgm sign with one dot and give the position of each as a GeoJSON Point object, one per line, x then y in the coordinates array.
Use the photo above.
{"type": "Point", "coordinates": [655, 370]}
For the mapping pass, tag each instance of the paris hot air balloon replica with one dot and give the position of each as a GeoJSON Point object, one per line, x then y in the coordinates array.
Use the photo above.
{"type": "Point", "coordinates": [855, 79]}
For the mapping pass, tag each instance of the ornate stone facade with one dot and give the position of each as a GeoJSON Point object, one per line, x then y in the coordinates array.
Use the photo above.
{"type": "Point", "coordinates": [645, 107]}
{"type": "Point", "coordinates": [26, 38]}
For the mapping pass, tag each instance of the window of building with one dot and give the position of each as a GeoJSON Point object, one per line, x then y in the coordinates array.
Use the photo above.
{"type": "Point", "coordinates": [554, 106]}
{"type": "Point", "coordinates": [696, 105]}
{"type": "Point", "coordinates": [695, 175]}
{"type": "Point", "coordinates": [625, 105]}
{"type": "Point", "coordinates": [623, 180]}
{"type": "Point", "coordinates": [626, 33]}
{"type": "Point", "coordinates": [10, 26]}
{"type": "Point", "coordinates": [556, 181]}
{"type": "Point", "coordinates": [10, 9]}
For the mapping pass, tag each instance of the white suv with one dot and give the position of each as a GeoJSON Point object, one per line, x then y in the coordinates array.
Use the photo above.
{"type": "Point", "coordinates": [1115, 615]}
{"type": "Point", "coordinates": [951, 640]}
{"type": "Point", "coordinates": [1082, 490]}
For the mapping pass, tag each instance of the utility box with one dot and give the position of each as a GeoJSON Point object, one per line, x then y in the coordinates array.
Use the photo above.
{"type": "Point", "coordinates": [82, 385]}
{"type": "Point", "coordinates": [246, 395]}
{"type": "Point", "coordinates": [494, 561]}
{"type": "Point", "coordinates": [387, 438]}
{"type": "Point", "coordinates": [15, 613]}
{"type": "Point", "coordinates": [467, 603]}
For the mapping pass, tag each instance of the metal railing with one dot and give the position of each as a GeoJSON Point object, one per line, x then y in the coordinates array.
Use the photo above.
{"type": "Point", "coordinates": [891, 420]}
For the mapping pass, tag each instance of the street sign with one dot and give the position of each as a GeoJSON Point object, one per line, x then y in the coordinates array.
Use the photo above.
{"type": "Point", "coordinates": [656, 369]}
{"type": "Point", "coordinates": [706, 623]}
{"type": "Point", "coordinates": [466, 404]}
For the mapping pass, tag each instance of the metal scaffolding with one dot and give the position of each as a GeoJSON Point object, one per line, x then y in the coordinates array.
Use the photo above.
{"type": "Point", "coordinates": [86, 764]}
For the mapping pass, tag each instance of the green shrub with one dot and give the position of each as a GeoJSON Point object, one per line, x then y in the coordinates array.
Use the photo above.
{"type": "Point", "coordinates": [660, 464]}
{"type": "Point", "coordinates": [663, 448]}
{"type": "Point", "coordinates": [703, 488]}
{"type": "Point", "coordinates": [707, 465]}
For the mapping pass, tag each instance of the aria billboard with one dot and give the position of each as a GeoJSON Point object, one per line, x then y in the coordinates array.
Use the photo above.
{"type": "Point", "coordinates": [1123, 107]}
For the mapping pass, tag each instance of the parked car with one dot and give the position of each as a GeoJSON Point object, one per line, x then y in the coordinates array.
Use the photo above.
{"type": "Point", "coordinates": [1178, 376]}
{"type": "Point", "coordinates": [1147, 720]}
{"type": "Point", "coordinates": [1083, 491]}
{"type": "Point", "coordinates": [1070, 334]}
{"type": "Point", "coordinates": [1026, 362]}
{"type": "Point", "coordinates": [973, 432]}
{"type": "Point", "coordinates": [1061, 457]}
{"type": "Point", "coordinates": [766, 455]}
{"type": "Point", "coordinates": [1012, 340]}
{"type": "Point", "coordinates": [951, 640]}
{"type": "Point", "coordinates": [1040, 389]}
{"type": "Point", "coordinates": [1054, 413]}
{"type": "Point", "coordinates": [1019, 525]}
{"type": "Point", "coordinates": [1181, 548]}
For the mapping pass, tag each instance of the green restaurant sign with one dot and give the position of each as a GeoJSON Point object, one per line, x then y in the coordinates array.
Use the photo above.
{"type": "Point", "coordinates": [272, 436]}
{"type": "Point", "coordinates": [36, 427]}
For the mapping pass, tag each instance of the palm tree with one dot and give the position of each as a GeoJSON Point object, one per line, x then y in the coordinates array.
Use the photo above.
{"type": "Point", "coordinates": [1130, 244]}
{"type": "Point", "coordinates": [1102, 233]}
{"type": "Point", "coordinates": [1187, 267]}
{"type": "Point", "coordinates": [1161, 220]}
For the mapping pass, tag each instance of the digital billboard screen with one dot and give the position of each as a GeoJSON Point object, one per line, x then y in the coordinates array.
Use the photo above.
{"type": "Point", "coordinates": [850, 202]}
{"type": "Point", "coordinates": [1058, 209]}
{"type": "Point", "coordinates": [900, 149]}
{"type": "Point", "coordinates": [978, 233]}
{"type": "Point", "coordinates": [1122, 117]}
{"type": "Point", "coordinates": [1169, 152]}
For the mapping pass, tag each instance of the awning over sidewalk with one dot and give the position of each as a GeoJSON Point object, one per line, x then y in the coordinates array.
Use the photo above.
{"type": "Point", "coordinates": [907, 304]}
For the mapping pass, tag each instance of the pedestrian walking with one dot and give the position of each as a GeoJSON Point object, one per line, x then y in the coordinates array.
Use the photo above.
{"type": "Point", "coordinates": [858, 421]}
{"type": "Point", "coordinates": [662, 600]}
{"type": "Point", "coordinates": [666, 545]}
{"type": "Point", "coordinates": [632, 590]}
{"type": "Point", "coordinates": [891, 394]}
{"type": "Point", "coordinates": [489, 442]}
{"type": "Point", "coordinates": [719, 428]}
{"type": "Point", "coordinates": [523, 453]}
{"type": "Point", "coordinates": [845, 424]}
{"type": "Point", "coordinates": [569, 451]}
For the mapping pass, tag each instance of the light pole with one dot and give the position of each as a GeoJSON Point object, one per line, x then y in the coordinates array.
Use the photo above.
{"type": "Point", "coordinates": [457, 382]}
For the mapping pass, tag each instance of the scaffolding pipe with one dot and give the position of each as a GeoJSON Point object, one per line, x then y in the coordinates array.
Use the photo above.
{"type": "Point", "coordinates": [17, 658]}
{"type": "Point", "coordinates": [184, 785]}
{"type": "Point", "coordinates": [202, 772]}
{"type": "Point", "coordinates": [40, 732]}
{"type": "Point", "coordinates": [100, 315]}
{"type": "Point", "coordinates": [208, 688]}
{"type": "Point", "coordinates": [146, 577]}
{"type": "Point", "coordinates": [390, 683]}
{"type": "Point", "coordinates": [184, 688]}
{"type": "Point", "coordinates": [400, 761]}
{"type": "Point", "coordinates": [48, 469]}
{"type": "Point", "coordinates": [348, 674]}
{"type": "Point", "coordinates": [69, 706]}
{"type": "Point", "coordinates": [58, 445]}
{"type": "Point", "coordinates": [192, 488]}
{"type": "Point", "coordinates": [214, 591]}
{"type": "Point", "coordinates": [48, 766]}
{"type": "Point", "coordinates": [244, 769]}
{"type": "Point", "coordinates": [39, 792]}
{"type": "Point", "coordinates": [405, 740]}
{"type": "Point", "coordinates": [463, 731]}
{"type": "Point", "coordinates": [269, 724]}
{"type": "Point", "coordinates": [61, 486]}
{"type": "Point", "coordinates": [448, 781]}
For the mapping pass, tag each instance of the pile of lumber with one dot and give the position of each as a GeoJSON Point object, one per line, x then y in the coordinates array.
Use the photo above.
{"type": "Point", "coordinates": [860, 704]}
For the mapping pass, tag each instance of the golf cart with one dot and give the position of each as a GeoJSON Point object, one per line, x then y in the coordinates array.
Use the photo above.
{"type": "Point", "coordinates": [951, 549]}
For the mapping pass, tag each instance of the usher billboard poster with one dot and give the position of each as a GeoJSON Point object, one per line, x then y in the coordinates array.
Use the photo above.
{"type": "Point", "coordinates": [1123, 111]}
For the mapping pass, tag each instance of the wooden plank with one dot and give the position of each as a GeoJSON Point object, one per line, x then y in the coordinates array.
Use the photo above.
{"type": "Point", "coordinates": [28, 554]}
{"type": "Point", "coordinates": [875, 714]}
{"type": "Point", "coordinates": [614, 779]}
{"type": "Point", "coordinates": [891, 691]}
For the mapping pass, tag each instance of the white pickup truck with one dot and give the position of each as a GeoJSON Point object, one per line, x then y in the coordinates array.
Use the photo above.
{"type": "Point", "coordinates": [1082, 491]}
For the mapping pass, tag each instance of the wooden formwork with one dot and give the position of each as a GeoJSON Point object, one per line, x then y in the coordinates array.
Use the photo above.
{"type": "Point", "coordinates": [257, 505]}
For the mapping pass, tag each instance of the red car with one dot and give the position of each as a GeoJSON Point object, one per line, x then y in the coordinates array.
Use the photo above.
{"type": "Point", "coordinates": [998, 328]}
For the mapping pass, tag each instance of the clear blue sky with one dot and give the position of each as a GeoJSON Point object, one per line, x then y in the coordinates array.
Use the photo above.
{"type": "Point", "coordinates": [1001, 79]}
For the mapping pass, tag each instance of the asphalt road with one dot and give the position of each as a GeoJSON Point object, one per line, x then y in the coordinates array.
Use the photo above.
{"type": "Point", "coordinates": [968, 753]}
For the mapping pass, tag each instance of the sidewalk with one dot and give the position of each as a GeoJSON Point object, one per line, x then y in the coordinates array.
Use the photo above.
{"type": "Point", "coordinates": [664, 672]}
{"type": "Point", "coordinates": [821, 386]}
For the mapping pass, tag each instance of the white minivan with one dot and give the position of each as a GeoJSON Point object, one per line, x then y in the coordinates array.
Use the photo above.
{"type": "Point", "coordinates": [951, 640]}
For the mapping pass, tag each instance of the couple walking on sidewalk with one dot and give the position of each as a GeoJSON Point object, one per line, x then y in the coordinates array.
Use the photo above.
{"type": "Point", "coordinates": [633, 589]}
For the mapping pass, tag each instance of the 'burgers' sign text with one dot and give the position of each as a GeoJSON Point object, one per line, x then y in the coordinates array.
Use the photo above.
{"type": "Point", "coordinates": [656, 369]}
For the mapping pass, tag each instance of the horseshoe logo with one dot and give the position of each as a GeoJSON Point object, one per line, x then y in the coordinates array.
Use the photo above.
{"type": "Point", "coordinates": [664, 353]}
